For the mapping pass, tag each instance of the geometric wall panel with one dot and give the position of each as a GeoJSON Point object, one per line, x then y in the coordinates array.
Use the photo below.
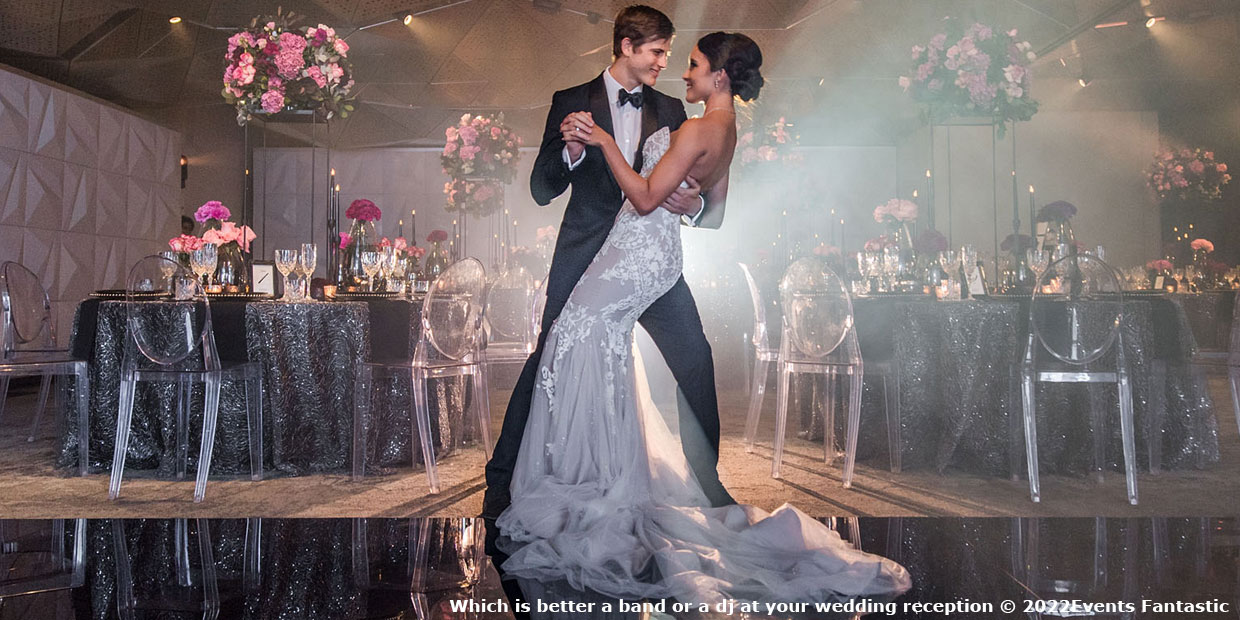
{"type": "Point", "coordinates": [46, 121]}
{"type": "Point", "coordinates": [13, 116]}
{"type": "Point", "coordinates": [39, 254]}
{"type": "Point", "coordinates": [109, 263]}
{"type": "Point", "coordinates": [141, 155]}
{"type": "Point", "coordinates": [44, 184]}
{"type": "Point", "coordinates": [75, 273]}
{"type": "Point", "coordinates": [140, 207]}
{"type": "Point", "coordinates": [82, 131]}
{"type": "Point", "coordinates": [10, 243]}
{"type": "Point", "coordinates": [78, 214]}
{"type": "Point", "coordinates": [113, 140]}
{"type": "Point", "coordinates": [12, 187]}
{"type": "Point", "coordinates": [110, 197]}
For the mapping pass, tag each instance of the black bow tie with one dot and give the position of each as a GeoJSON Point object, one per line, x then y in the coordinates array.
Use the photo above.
{"type": "Point", "coordinates": [633, 99]}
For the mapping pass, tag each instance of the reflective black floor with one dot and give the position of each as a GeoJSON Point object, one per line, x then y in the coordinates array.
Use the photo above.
{"type": "Point", "coordinates": [437, 568]}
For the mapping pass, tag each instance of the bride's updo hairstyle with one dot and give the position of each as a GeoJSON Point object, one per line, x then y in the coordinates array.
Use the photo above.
{"type": "Point", "coordinates": [739, 57]}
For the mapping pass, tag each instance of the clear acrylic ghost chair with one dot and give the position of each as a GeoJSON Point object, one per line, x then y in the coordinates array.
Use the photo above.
{"type": "Point", "coordinates": [27, 568]}
{"type": "Point", "coordinates": [173, 342]}
{"type": "Point", "coordinates": [442, 554]}
{"type": "Point", "coordinates": [1075, 337]}
{"type": "Point", "coordinates": [819, 336]}
{"type": "Point", "coordinates": [1207, 360]}
{"type": "Point", "coordinates": [28, 348]}
{"type": "Point", "coordinates": [511, 317]}
{"type": "Point", "coordinates": [764, 354]}
{"type": "Point", "coordinates": [450, 345]}
{"type": "Point", "coordinates": [197, 587]}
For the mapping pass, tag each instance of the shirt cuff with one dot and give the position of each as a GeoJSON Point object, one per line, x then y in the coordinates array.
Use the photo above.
{"type": "Point", "coordinates": [572, 165]}
{"type": "Point", "coordinates": [692, 222]}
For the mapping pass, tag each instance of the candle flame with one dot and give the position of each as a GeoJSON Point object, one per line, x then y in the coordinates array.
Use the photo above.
{"type": "Point", "coordinates": [333, 172]}
{"type": "Point", "coordinates": [1030, 189]}
{"type": "Point", "coordinates": [927, 173]}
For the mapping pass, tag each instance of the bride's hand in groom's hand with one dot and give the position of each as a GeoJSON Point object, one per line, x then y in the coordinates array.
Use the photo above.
{"type": "Point", "coordinates": [573, 129]}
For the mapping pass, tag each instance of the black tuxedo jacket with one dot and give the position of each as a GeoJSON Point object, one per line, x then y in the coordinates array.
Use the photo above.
{"type": "Point", "coordinates": [596, 197]}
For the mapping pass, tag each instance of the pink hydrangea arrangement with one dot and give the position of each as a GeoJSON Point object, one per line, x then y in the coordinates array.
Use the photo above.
{"type": "Point", "coordinates": [1186, 174]}
{"type": "Point", "coordinates": [437, 236]}
{"type": "Point", "coordinates": [271, 65]}
{"type": "Point", "coordinates": [212, 210]}
{"type": "Point", "coordinates": [362, 209]}
{"type": "Point", "coordinates": [480, 154]}
{"type": "Point", "coordinates": [895, 211]}
{"type": "Point", "coordinates": [973, 71]}
{"type": "Point", "coordinates": [184, 243]}
{"type": "Point", "coordinates": [775, 143]}
{"type": "Point", "coordinates": [1202, 244]}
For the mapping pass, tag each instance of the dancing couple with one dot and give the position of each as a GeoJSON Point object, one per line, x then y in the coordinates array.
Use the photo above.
{"type": "Point", "coordinates": [587, 484]}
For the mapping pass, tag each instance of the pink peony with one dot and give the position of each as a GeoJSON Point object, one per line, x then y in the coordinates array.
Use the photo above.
{"type": "Point", "coordinates": [1160, 264]}
{"type": "Point", "coordinates": [212, 210]}
{"type": "Point", "coordinates": [1202, 244]}
{"type": "Point", "coordinates": [400, 243]}
{"type": "Point", "coordinates": [342, 48]}
{"type": "Point", "coordinates": [415, 251]}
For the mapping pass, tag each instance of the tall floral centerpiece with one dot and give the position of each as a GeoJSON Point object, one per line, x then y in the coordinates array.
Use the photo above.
{"type": "Point", "coordinates": [1202, 248]}
{"type": "Point", "coordinates": [479, 156]}
{"type": "Point", "coordinates": [973, 71]}
{"type": "Point", "coordinates": [437, 257]}
{"type": "Point", "coordinates": [360, 238]}
{"type": "Point", "coordinates": [232, 242]}
{"type": "Point", "coordinates": [896, 214]}
{"type": "Point", "coordinates": [773, 144]}
{"type": "Point", "coordinates": [1187, 174]}
{"type": "Point", "coordinates": [271, 66]}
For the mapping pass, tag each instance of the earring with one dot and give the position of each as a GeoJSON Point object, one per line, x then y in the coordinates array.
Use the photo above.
{"type": "Point", "coordinates": [716, 83]}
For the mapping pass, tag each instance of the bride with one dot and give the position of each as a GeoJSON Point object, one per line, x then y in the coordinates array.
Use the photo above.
{"type": "Point", "coordinates": [602, 495]}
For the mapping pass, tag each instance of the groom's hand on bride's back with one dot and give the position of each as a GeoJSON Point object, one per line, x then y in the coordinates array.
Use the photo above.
{"type": "Point", "coordinates": [685, 200]}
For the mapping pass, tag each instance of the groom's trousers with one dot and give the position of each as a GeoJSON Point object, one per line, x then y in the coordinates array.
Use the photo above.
{"type": "Point", "coordinates": [676, 328]}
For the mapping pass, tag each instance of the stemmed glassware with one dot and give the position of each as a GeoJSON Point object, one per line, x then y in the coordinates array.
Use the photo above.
{"type": "Point", "coordinates": [370, 265]}
{"type": "Point", "coordinates": [1039, 260]}
{"type": "Point", "coordinates": [398, 271]}
{"type": "Point", "coordinates": [168, 267]}
{"type": "Point", "coordinates": [305, 266]}
{"type": "Point", "coordinates": [286, 263]}
{"type": "Point", "coordinates": [203, 261]}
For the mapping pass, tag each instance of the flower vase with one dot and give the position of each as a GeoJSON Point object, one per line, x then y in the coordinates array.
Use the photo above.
{"type": "Point", "coordinates": [1059, 231]}
{"type": "Point", "coordinates": [906, 279]}
{"type": "Point", "coordinates": [232, 269]}
{"type": "Point", "coordinates": [361, 239]}
{"type": "Point", "coordinates": [436, 262]}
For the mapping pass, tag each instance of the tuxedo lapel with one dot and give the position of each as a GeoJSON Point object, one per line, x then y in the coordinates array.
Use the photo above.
{"type": "Point", "coordinates": [600, 108]}
{"type": "Point", "coordinates": [650, 123]}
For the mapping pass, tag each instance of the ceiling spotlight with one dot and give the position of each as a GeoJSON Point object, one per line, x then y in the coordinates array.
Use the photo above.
{"type": "Point", "coordinates": [408, 19]}
{"type": "Point", "coordinates": [174, 20]}
{"type": "Point", "coordinates": [1084, 81]}
{"type": "Point", "coordinates": [1149, 23]}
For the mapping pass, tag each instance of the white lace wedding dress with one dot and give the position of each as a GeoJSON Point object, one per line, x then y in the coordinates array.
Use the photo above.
{"type": "Point", "coordinates": [602, 495]}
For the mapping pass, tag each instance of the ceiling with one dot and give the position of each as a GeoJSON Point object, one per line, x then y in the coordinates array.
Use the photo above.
{"type": "Point", "coordinates": [832, 64]}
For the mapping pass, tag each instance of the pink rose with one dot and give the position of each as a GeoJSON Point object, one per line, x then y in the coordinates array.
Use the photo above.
{"type": "Point", "coordinates": [342, 48]}
{"type": "Point", "coordinates": [495, 132]}
{"type": "Point", "coordinates": [384, 242]}
{"type": "Point", "coordinates": [400, 243]}
{"type": "Point", "coordinates": [185, 243]}
{"type": "Point", "coordinates": [449, 148]}
{"type": "Point", "coordinates": [213, 237]}
{"type": "Point", "coordinates": [317, 75]}
{"type": "Point", "coordinates": [1221, 167]}
{"type": "Point", "coordinates": [345, 240]}
{"type": "Point", "coordinates": [1202, 244]}
{"type": "Point", "coordinates": [1197, 167]}
{"type": "Point", "coordinates": [416, 251]}
{"type": "Point", "coordinates": [245, 75]}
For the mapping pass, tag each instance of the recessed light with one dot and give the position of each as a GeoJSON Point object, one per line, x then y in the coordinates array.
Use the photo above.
{"type": "Point", "coordinates": [408, 19]}
{"type": "Point", "coordinates": [174, 20]}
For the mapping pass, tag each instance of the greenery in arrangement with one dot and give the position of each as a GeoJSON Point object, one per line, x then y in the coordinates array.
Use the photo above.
{"type": "Point", "coordinates": [479, 156]}
{"type": "Point", "coordinates": [1187, 174]}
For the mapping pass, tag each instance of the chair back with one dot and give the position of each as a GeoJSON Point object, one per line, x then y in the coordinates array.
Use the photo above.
{"type": "Point", "coordinates": [173, 332]}
{"type": "Point", "coordinates": [761, 341]}
{"type": "Point", "coordinates": [511, 308]}
{"type": "Point", "coordinates": [818, 315]}
{"type": "Point", "coordinates": [1077, 309]}
{"type": "Point", "coordinates": [452, 312]}
{"type": "Point", "coordinates": [1233, 336]}
{"type": "Point", "coordinates": [27, 312]}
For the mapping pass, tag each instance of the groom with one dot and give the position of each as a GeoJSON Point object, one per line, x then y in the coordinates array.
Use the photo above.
{"type": "Point", "coordinates": [623, 102]}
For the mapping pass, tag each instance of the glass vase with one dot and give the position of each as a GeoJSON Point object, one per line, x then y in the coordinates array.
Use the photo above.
{"type": "Point", "coordinates": [232, 269]}
{"type": "Point", "coordinates": [906, 278]}
{"type": "Point", "coordinates": [1059, 231]}
{"type": "Point", "coordinates": [362, 238]}
{"type": "Point", "coordinates": [436, 262]}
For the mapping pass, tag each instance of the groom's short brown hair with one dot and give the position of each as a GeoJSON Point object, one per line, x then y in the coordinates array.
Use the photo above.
{"type": "Point", "coordinates": [640, 24]}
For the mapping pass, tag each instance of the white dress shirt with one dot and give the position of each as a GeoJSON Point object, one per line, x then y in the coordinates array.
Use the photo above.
{"type": "Point", "coordinates": [626, 122]}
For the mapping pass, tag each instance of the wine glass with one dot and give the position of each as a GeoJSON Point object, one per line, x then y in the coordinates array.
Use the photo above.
{"type": "Point", "coordinates": [370, 265]}
{"type": "Point", "coordinates": [947, 260]}
{"type": "Point", "coordinates": [286, 262]}
{"type": "Point", "coordinates": [398, 271]}
{"type": "Point", "coordinates": [168, 267]}
{"type": "Point", "coordinates": [306, 264]}
{"type": "Point", "coordinates": [1190, 277]}
{"type": "Point", "coordinates": [1039, 260]}
{"type": "Point", "coordinates": [203, 261]}
{"type": "Point", "coordinates": [387, 263]}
